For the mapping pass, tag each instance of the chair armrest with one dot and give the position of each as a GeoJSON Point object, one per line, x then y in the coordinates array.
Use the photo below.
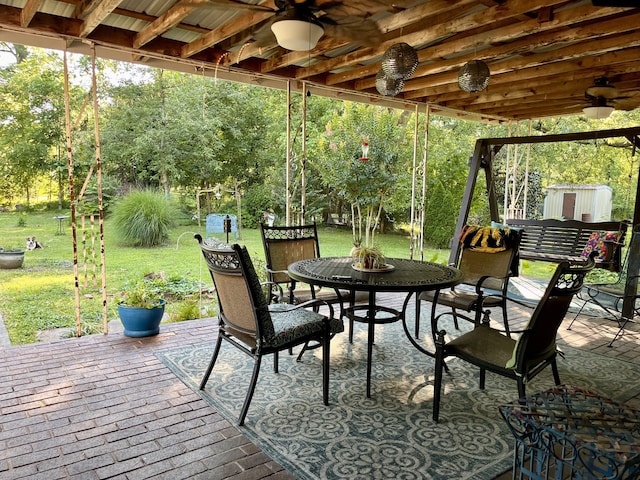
{"type": "Point", "coordinates": [271, 286]}
{"type": "Point", "coordinates": [276, 271]}
{"type": "Point", "coordinates": [480, 286]}
{"type": "Point", "coordinates": [311, 303]}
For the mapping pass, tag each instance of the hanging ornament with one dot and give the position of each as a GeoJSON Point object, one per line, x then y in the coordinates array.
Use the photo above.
{"type": "Point", "coordinates": [473, 76]}
{"type": "Point", "coordinates": [388, 86]}
{"type": "Point", "coordinates": [399, 61]}
{"type": "Point", "coordinates": [365, 152]}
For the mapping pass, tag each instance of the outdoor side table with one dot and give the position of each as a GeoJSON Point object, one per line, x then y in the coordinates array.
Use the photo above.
{"type": "Point", "coordinates": [570, 433]}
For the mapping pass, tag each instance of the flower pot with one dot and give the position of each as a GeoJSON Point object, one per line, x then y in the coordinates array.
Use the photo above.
{"type": "Point", "coordinates": [11, 259]}
{"type": "Point", "coordinates": [141, 322]}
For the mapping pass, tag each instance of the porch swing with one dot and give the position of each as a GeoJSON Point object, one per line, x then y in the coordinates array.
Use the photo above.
{"type": "Point", "coordinates": [483, 158]}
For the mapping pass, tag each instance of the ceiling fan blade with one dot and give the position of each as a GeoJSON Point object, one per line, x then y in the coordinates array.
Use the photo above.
{"type": "Point", "coordinates": [626, 103]}
{"type": "Point", "coordinates": [608, 92]}
{"type": "Point", "coordinates": [226, 4]}
{"type": "Point", "coordinates": [353, 29]}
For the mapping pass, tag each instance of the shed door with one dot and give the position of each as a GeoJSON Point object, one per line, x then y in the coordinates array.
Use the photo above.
{"type": "Point", "coordinates": [568, 205]}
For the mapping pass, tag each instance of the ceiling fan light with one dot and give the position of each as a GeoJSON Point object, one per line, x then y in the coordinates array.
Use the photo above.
{"type": "Point", "coordinates": [297, 35]}
{"type": "Point", "coordinates": [400, 61]}
{"type": "Point", "coordinates": [473, 76]}
{"type": "Point", "coordinates": [388, 86]}
{"type": "Point", "coordinates": [598, 112]}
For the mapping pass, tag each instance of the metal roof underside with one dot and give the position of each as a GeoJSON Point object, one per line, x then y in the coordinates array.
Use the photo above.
{"type": "Point", "coordinates": [542, 54]}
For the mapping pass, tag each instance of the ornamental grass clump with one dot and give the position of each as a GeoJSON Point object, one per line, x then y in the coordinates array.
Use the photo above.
{"type": "Point", "coordinates": [143, 218]}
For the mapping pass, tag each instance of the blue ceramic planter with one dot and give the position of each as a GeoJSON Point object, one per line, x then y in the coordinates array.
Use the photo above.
{"type": "Point", "coordinates": [141, 322]}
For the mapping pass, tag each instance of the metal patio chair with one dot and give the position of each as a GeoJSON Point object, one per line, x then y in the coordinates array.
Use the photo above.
{"type": "Point", "coordinates": [486, 271]}
{"type": "Point", "coordinates": [610, 297]}
{"type": "Point", "coordinates": [531, 353]}
{"type": "Point", "coordinates": [284, 245]}
{"type": "Point", "coordinates": [247, 321]}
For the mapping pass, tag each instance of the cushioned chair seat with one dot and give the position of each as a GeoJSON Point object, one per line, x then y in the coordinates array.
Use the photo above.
{"type": "Point", "coordinates": [460, 299]}
{"type": "Point", "coordinates": [484, 344]}
{"type": "Point", "coordinates": [329, 295]}
{"type": "Point", "coordinates": [291, 323]}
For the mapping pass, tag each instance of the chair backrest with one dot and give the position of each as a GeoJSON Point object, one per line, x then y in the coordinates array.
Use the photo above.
{"type": "Point", "coordinates": [496, 258]}
{"type": "Point", "coordinates": [538, 340]}
{"type": "Point", "coordinates": [242, 303]}
{"type": "Point", "coordinates": [286, 245]}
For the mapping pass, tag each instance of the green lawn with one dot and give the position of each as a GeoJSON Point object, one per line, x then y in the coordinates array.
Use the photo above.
{"type": "Point", "coordinates": [41, 295]}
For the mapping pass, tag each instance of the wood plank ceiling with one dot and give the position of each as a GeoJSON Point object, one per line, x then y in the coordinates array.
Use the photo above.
{"type": "Point", "coordinates": [542, 54]}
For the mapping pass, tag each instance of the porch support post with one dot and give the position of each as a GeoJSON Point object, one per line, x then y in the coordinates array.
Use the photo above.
{"type": "Point", "coordinates": [96, 131]}
{"type": "Point", "coordinates": [67, 121]}
{"type": "Point", "coordinates": [288, 158]}
{"type": "Point", "coordinates": [414, 175]}
{"type": "Point", "coordinates": [303, 161]}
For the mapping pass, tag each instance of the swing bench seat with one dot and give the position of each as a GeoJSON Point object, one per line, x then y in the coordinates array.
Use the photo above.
{"type": "Point", "coordinates": [557, 241]}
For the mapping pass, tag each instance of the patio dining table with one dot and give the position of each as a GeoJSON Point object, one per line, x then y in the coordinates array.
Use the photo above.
{"type": "Point", "coordinates": [400, 275]}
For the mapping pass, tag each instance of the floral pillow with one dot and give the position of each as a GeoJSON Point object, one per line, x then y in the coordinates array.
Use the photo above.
{"type": "Point", "coordinates": [598, 241]}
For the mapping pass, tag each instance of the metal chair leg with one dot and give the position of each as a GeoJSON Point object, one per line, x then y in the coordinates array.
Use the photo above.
{"type": "Point", "coordinates": [214, 357]}
{"type": "Point", "coordinates": [252, 388]}
{"type": "Point", "coordinates": [437, 383]}
{"type": "Point", "coordinates": [326, 346]}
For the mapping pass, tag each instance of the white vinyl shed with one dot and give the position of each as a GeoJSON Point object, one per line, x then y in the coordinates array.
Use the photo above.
{"type": "Point", "coordinates": [589, 203]}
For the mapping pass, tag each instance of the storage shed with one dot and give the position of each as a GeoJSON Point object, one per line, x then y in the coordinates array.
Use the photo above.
{"type": "Point", "coordinates": [589, 203]}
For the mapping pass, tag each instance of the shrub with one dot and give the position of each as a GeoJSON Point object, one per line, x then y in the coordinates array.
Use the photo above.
{"type": "Point", "coordinates": [143, 218]}
{"type": "Point", "coordinates": [255, 202]}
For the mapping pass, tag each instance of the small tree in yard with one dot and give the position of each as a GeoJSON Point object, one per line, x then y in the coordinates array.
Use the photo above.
{"type": "Point", "coordinates": [364, 181]}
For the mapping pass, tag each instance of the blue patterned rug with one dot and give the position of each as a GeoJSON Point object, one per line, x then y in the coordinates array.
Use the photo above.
{"type": "Point", "coordinates": [391, 435]}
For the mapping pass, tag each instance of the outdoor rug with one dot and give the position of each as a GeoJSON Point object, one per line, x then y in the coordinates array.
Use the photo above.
{"type": "Point", "coordinates": [391, 435]}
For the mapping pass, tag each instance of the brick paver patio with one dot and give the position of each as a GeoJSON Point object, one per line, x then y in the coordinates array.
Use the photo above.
{"type": "Point", "coordinates": [101, 407]}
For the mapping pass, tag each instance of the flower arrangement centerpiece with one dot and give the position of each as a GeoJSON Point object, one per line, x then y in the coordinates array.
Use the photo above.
{"type": "Point", "coordinates": [367, 258]}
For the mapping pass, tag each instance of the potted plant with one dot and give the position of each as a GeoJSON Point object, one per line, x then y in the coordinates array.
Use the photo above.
{"type": "Point", "coordinates": [368, 258]}
{"type": "Point", "coordinates": [11, 258]}
{"type": "Point", "coordinates": [141, 308]}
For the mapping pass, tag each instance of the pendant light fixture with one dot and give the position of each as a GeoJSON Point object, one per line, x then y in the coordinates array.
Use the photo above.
{"type": "Point", "coordinates": [399, 61]}
{"type": "Point", "coordinates": [473, 76]}
{"type": "Point", "coordinates": [388, 86]}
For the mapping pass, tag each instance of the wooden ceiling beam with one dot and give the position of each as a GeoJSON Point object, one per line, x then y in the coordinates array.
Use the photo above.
{"type": "Point", "coordinates": [447, 85]}
{"type": "Point", "coordinates": [28, 11]}
{"type": "Point", "coordinates": [217, 35]}
{"type": "Point", "coordinates": [99, 10]}
{"type": "Point", "coordinates": [163, 23]}
{"type": "Point", "coordinates": [591, 42]}
{"type": "Point", "coordinates": [424, 74]}
{"type": "Point", "coordinates": [433, 34]}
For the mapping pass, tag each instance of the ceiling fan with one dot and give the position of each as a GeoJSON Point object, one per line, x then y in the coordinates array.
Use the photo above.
{"type": "Point", "coordinates": [299, 24]}
{"type": "Point", "coordinates": [605, 98]}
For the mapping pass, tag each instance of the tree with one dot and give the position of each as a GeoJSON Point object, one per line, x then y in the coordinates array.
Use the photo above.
{"type": "Point", "coordinates": [31, 120]}
{"type": "Point", "coordinates": [364, 182]}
